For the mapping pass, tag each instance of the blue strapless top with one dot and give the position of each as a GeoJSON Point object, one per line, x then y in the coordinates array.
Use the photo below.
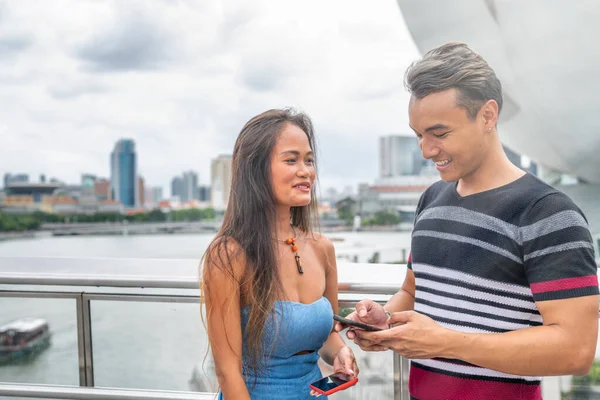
{"type": "Point", "coordinates": [292, 328]}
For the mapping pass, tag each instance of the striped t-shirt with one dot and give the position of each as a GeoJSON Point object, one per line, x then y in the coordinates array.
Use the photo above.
{"type": "Point", "coordinates": [480, 264]}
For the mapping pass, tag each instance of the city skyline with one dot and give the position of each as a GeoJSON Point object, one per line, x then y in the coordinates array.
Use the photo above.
{"type": "Point", "coordinates": [183, 91]}
{"type": "Point", "coordinates": [167, 187]}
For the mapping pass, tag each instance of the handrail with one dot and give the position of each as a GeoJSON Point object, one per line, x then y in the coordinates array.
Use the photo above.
{"type": "Point", "coordinates": [161, 282]}
{"type": "Point", "coordinates": [86, 393]}
{"type": "Point", "coordinates": [162, 274]}
{"type": "Point", "coordinates": [123, 281]}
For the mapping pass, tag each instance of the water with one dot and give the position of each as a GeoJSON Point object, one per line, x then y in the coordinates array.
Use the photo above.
{"type": "Point", "coordinates": [162, 345]}
{"type": "Point", "coordinates": [361, 244]}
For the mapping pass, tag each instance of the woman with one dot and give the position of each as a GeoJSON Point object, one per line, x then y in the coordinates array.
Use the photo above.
{"type": "Point", "coordinates": [269, 282]}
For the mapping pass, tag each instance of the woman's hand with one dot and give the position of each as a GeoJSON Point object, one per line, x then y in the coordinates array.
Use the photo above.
{"type": "Point", "coordinates": [343, 363]}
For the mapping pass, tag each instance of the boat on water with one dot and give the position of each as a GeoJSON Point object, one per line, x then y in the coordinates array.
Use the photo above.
{"type": "Point", "coordinates": [23, 338]}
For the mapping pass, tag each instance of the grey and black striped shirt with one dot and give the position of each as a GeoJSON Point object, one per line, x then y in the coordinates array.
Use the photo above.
{"type": "Point", "coordinates": [481, 263]}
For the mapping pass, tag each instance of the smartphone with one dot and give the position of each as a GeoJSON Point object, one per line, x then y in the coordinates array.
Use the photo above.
{"type": "Point", "coordinates": [333, 383]}
{"type": "Point", "coordinates": [355, 324]}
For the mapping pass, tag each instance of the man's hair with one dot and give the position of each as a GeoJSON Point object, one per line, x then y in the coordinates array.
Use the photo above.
{"type": "Point", "coordinates": [455, 66]}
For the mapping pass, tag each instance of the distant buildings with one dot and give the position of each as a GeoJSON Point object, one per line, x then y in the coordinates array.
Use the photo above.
{"type": "Point", "coordinates": [404, 176]}
{"type": "Point", "coordinates": [186, 189]}
{"type": "Point", "coordinates": [153, 196]}
{"type": "Point", "coordinates": [140, 192]}
{"type": "Point", "coordinates": [123, 173]}
{"type": "Point", "coordinates": [399, 156]}
{"type": "Point", "coordinates": [189, 186]}
{"type": "Point", "coordinates": [204, 194]}
{"type": "Point", "coordinates": [126, 191]}
{"type": "Point", "coordinates": [102, 189]}
{"type": "Point", "coordinates": [176, 187]}
{"type": "Point", "coordinates": [220, 181]}
{"type": "Point", "coordinates": [17, 178]}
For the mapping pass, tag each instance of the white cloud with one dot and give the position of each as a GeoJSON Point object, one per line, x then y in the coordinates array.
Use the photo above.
{"type": "Point", "coordinates": [181, 78]}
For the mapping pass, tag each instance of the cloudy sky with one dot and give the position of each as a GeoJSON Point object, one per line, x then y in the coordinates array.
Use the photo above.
{"type": "Point", "coordinates": [181, 77]}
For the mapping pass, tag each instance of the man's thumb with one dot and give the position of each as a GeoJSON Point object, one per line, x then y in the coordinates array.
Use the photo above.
{"type": "Point", "coordinates": [401, 317]}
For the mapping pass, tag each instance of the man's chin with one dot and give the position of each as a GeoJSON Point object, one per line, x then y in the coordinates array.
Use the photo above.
{"type": "Point", "coordinates": [449, 177]}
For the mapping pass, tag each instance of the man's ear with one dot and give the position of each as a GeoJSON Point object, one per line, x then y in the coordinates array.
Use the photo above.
{"type": "Point", "coordinates": [489, 112]}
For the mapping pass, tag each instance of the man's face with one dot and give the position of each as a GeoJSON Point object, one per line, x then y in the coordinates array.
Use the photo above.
{"type": "Point", "coordinates": [447, 136]}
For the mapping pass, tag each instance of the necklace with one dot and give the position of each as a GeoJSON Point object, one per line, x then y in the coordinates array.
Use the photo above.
{"type": "Point", "coordinates": [292, 242]}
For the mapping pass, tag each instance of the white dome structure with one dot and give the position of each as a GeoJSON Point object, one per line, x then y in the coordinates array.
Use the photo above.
{"type": "Point", "coordinates": [547, 56]}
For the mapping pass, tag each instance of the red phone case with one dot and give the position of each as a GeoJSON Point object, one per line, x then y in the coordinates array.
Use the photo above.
{"type": "Point", "coordinates": [337, 389]}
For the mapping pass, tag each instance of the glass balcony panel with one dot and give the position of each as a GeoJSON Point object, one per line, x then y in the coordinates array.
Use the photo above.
{"type": "Point", "coordinates": [31, 354]}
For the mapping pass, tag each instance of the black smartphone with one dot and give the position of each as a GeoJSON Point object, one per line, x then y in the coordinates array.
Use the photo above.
{"type": "Point", "coordinates": [358, 325]}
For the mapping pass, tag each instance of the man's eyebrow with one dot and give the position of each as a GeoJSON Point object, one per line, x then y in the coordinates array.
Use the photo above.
{"type": "Point", "coordinates": [436, 127]}
{"type": "Point", "coordinates": [431, 128]}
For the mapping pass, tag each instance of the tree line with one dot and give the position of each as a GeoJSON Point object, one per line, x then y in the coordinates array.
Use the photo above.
{"type": "Point", "coordinates": [33, 221]}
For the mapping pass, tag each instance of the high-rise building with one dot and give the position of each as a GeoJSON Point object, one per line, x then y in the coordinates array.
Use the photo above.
{"type": "Point", "coordinates": [189, 190]}
{"type": "Point", "coordinates": [220, 181]}
{"type": "Point", "coordinates": [140, 191]}
{"type": "Point", "coordinates": [153, 195]}
{"type": "Point", "coordinates": [176, 187]}
{"type": "Point", "coordinates": [123, 173]}
{"type": "Point", "coordinates": [203, 194]}
{"type": "Point", "coordinates": [398, 156]}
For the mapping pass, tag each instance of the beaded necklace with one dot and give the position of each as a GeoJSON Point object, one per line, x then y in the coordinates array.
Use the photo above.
{"type": "Point", "coordinates": [292, 242]}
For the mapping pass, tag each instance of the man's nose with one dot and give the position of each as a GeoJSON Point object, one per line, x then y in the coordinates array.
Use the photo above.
{"type": "Point", "coordinates": [429, 148]}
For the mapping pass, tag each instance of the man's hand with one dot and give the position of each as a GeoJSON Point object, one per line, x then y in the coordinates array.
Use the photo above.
{"type": "Point", "coordinates": [367, 312]}
{"type": "Point", "coordinates": [417, 336]}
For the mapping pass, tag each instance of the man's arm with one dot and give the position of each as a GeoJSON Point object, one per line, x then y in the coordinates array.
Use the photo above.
{"type": "Point", "coordinates": [404, 300]}
{"type": "Point", "coordinates": [564, 345]}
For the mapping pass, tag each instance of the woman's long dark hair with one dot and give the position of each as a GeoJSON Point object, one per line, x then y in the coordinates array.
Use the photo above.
{"type": "Point", "coordinates": [249, 224]}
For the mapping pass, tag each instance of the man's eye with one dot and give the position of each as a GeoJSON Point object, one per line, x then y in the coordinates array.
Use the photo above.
{"type": "Point", "coordinates": [291, 160]}
{"type": "Point", "coordinates": [442, 135]}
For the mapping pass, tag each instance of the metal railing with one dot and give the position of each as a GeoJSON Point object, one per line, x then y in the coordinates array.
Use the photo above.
{"type": "Point", "coordinates": [45, 287]}
{"type": "Point", "coordinates": [84, 393]}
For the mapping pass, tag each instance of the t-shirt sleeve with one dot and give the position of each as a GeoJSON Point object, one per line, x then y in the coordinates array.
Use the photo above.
{"type": "Point", "coordinates": [558, 251]}
{"type": "Point", "coordinates": [417, 212]}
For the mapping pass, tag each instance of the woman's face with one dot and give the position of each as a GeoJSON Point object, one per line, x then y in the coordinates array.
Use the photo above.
{"type": "Point", "coordinates": [292, 168]}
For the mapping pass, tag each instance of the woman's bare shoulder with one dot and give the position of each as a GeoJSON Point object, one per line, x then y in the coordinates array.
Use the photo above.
{"type": "Point", "coordinates": [225, 253]}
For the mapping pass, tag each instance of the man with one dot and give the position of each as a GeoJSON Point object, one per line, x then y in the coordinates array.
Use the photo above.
{"type": "Point", "coordinates": [501, 286]}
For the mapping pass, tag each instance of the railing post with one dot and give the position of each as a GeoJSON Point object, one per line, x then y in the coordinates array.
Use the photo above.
{"type": "Point", "coordinates": [405, 368]}
{"type": "Point", "coordinates": [80, 340]}
{"type": "Point", "coordinates": [397, 377]}
{"type": "Point", "coordinates": [84, 341]}
{"type": "Point", "coordinates": [401, 366]}
{"type": "Point", "coordinates": [87, 334]}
